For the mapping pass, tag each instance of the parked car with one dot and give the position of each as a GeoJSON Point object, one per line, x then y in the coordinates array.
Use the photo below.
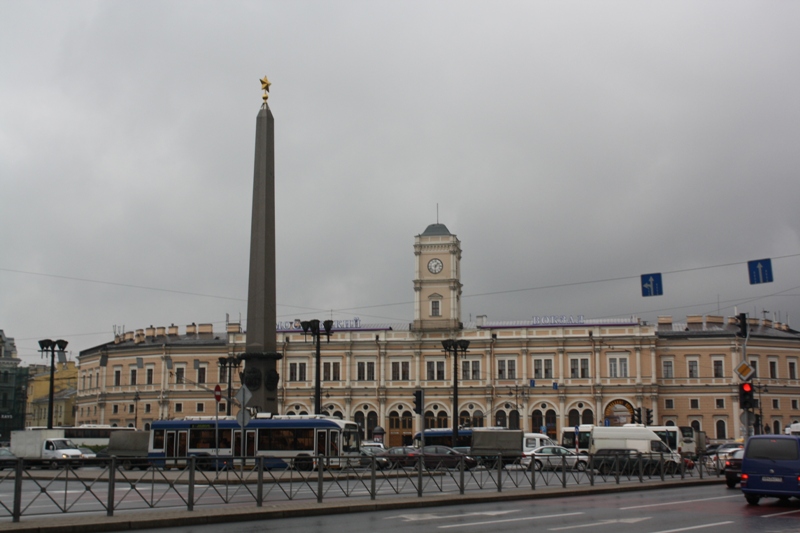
{"type": "Point", "coordinates": [716, 460]}
{"type": "Point", "coordinates": [554, 458]}
{"type": "Point", "coordinates": [372, 444]}
{"type": "Point", "coordinates": [373, 451]}
{"type": "Point", "coordinates": [442, 457]}
{"type": "Point", "coordinates": [733, 468]}
{"type": "Point", "coordinates": [398, 456]}
{"type": "Point", "coordinates": [87, 453]}
{"type": "Point", "coordinates": [7, 459]}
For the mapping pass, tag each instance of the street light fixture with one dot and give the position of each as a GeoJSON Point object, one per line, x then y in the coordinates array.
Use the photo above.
{"type": "Point", "coordinates": [454, 346]}
{"type": "Point", "coordinates": [229, 363]}
{"type": "Point", "coordinates": [312, 326]}
{"type": "Point", "coordinates": [45, 345]}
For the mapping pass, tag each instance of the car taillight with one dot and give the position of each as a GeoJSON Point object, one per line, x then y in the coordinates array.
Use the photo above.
{"type": "Point", "coordinates": [743, 480]}
{"type": "Point", "coordinates": [727, 464]}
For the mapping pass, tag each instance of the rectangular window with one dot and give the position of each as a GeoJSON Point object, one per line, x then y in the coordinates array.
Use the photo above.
{"type": "Point", "coordinates": [147, 408]}
{"type": "Point", "coordinates": [585, 368]}
{"type": "Point", "coordinates": [149, 375]}
{"type": "Point", "coordinates": [795, 404]}
{"type": "Point", "coordinates": [754, 364]}
{"type": "Point", "coordinates": [130, 408]}
{"type": "Point", "coordinates": [694, 403]}
{"type": "Point", "coordinates": [776, 403]}
{"type": "Point", "coordinates": [720, 403]}
{"type": "Point", "coordinates": [574, 369]}
{"type": "Point", "coordinates": [669, 403]}
{"type": "Point", "coordinates": [115, 409]}
{"type": "Point", "coordinates": [719, 371]}
{"type": "Point", "coordinates": [507, 369]}
{"type": "Point", "coordinates": [476, 370]}
{"type": "Point", "coordinates": [537, 369]}
{"type": "Point", "coordinates": [773, 370]}
{"type": "Point", "coordinates": [400, 371]}
{"type": "Point", "coordinates": [180, 374]}
{"type": "Point", "coordinates": [792, 371]}
{"type": "Point", "coordinates": [297, 371]}
{"type": "Point", "coordinates": [435, 311]}
{"type": "Point", "coordinates": [623, 367]}
{"type": "Point", "coordinates": [133, 376]}
{"type": "Point", "coordinates": [667, 369]}
{"type": "Point", "coordinates": [178, 407]}
{"type": "Point", "coordinates": [435, 370]}
{"type": "Point", "coordinates": [612, 367]}
{"type": "Point", "coordinates": [201, 374]}
{"type": "Point", "coordinates": [694, 369]}
{"type": "Point", "coordinates": [366, 371]}
{"type": "Point", "coordinates": [201, 407]}
{"type": "Point", "coordinates": [117, 377]}
{"type": "Point", "coordinates": [223, 373]}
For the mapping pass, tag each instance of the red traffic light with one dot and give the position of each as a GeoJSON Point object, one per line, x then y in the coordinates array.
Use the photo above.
{"type": "Point", "coordinates": [747, 387]}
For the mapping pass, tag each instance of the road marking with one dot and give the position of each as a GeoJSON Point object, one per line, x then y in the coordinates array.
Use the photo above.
{"type": "Point", "coordinates": [432, 516]}
{"type": "Point", "coordinates": [602, 523]}
{"type": "Point", "coordinates": [702, 526]}
{"type": "Point", "coordinates": [677, 503]}
{"type": "Point", "coordinates": [509, 520]}
{"type": "Point", "coordinates": [780, 514]}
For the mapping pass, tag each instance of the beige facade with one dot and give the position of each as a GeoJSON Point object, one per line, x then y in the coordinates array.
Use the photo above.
{"type": "Point", "coordinates": [64, 397]}
{"type": "Point", "coordinates": [543, 373]}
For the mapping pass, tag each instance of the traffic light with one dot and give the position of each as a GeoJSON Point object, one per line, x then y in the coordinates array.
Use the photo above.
{"type": "Point", "coordinates": [742, 319]}
{"type": "Point", "coordinates": [419, 401]}
{"type": "Point", "coordinates": [649, 417]}
{"type": "Point", "coordinates": [637, 415]}
{"type": "Point", "coordinates": [746, 398]}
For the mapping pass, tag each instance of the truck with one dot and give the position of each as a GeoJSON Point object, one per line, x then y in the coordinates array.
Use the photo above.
{"type": "Point", "coordinates": [44, 447]}
{"type": "Point", "coordinates": [623, 447]}
{"type": "Point", "coordinates": [130, 448]}
{"type": "Point", "coordinates": [491, 442]}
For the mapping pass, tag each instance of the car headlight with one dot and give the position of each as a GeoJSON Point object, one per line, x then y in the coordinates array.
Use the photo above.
{"type": "Point", "coordinates": [64, 456]}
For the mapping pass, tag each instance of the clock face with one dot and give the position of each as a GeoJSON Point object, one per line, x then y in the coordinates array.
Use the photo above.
{"type": "Point", "coordinates": [435, 266]}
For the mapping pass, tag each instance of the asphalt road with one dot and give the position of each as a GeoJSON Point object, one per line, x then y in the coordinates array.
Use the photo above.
{"type": "Point", "coordinates": [713, 509]}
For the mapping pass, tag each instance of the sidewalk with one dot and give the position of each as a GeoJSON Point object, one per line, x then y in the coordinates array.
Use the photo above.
{"type": "Point", "coordinates": [138, 520]}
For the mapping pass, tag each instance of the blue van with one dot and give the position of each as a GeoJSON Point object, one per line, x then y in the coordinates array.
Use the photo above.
{"type": "Point", "coordinates": [771, 467]}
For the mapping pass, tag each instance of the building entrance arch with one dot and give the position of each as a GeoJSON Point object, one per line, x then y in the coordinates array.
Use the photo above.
{"type": "Point", "coordinates": [618, 412]}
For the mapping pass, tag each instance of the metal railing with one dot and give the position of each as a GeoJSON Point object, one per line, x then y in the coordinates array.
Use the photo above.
{"type": "Point", "coordinates": [107, 486]}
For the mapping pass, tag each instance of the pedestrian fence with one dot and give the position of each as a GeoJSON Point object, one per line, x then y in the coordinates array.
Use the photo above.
{"type": "Point", "coordinates": [108, 485]}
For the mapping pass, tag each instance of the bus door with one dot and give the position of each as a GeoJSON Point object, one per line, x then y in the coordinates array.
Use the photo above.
{"type": "Point", "coordinates": [250, 443]}
{"type": "Point", "coordinates": [169, 446]}
{"type": "Point", "coordinates": [182, 443]}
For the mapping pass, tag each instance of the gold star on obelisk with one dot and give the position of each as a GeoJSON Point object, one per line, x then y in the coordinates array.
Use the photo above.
{"type": "Point", "coordinates": [265, 87]}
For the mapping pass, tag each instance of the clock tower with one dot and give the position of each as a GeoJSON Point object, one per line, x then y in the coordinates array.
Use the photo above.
{"type": "Point", "coordinates": [437, 280]}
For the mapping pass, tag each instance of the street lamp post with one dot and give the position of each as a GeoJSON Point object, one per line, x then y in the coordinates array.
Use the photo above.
{"type": "Point", "coordinates": [312, 326]}
{"type": "Point", "coordinates": [229, 363]}
{"type": "Point", "coordinates": [136, 399]}
{"type": "Point", "coordinates": [453, 346]}
{"type": "Point", "coordinates": [46, 345]}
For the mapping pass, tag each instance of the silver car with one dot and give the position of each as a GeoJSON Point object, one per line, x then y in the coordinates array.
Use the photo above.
{"type": "Point", "coordinates": [554, 458]}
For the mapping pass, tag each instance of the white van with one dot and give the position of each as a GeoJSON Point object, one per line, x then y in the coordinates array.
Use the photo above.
{"type": "Point", "coordinates": [534, 440]}
{"type": "Point", "coordinates": [636, 439]}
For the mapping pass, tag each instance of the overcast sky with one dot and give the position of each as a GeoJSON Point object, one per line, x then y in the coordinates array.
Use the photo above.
{"type": "Point", "coordinates": [563, 142]}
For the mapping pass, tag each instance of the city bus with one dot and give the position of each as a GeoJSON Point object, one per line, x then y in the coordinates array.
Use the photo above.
{"type": "Point", "coordinates": [286, 440]}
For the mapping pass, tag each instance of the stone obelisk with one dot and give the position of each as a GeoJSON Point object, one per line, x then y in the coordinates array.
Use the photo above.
{"type": "Point", "coordinates": [260, 373]}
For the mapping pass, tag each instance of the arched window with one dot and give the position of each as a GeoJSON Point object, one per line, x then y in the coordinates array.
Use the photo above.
{"type": "Point", "coordinates": [372, 421]}
{"type": "Point", "coordinates": [430, 420]}
{"type": "Point", "coordinates": [394, 420]}
{"type": "Point", "coordinates": [537, 421]}
{"type": "Point", "coordinates": [338, 414]}
{"type": "Point", "coordinates": [477, 419]}
{"type": "Point", "coordinates": [588, 417]}
{"type": "Point", "coordinates": [550, 422]}
{"type": "Point", "coordinates": [441, 420]}
{"type": "Point", "coordinates": [500, 419]}
{"type": "Point", "coordinates": [670, 423]}
{"type": "Point", "coordinates": [721, 433]}
{"type": "Point", "coordinates": [696, 425]}
{"type": "Point", "coordinates": [407, 420]}
{"type": "Point", "coordinates": [359, 419]}
{"type": "Point", "coordinates": [464, 420]}
{"type": "Point", "coordinates": [147, 426]}
{"type": "Point", "coordinates": [574, 417]}
{"type": "Point", "coordinates": [513, 420]}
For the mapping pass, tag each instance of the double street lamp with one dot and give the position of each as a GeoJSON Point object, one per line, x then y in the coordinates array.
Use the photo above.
{"type": "Point", "coordinates": [229, 363]}
{"type": "Point", "coordinates": [455, 347]}
{"type": "Point", "coordinates": [46, 345]}
{"type": "Point", "coordinates": [312, 326]}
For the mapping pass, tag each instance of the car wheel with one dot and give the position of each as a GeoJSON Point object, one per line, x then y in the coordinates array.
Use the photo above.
{"type": "Point", "coordinates": [580, 466]}
{"type": "Point", "coordinates": [752, 499]}
{"type": "Point", "coordinates": [53, 465]}
{"type": "Point", "coordinates": [538, 465]}
{"type": "Point", "coordinates": [731, 483]}
{"type": "Point", "coordinates": [126, 465]}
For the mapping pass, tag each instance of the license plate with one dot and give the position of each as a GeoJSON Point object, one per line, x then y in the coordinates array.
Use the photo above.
{"type": "Point", "coordinates": [769, 479]}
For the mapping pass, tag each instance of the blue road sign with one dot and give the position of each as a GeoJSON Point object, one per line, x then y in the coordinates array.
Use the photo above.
{"type": "Point", "coordinates": [760, 271]}
{"type": "Point", "coordinates": [651, 285]}
{"type": "Point", "coordinates": [607, 422]}
{"type": "Point", "coordinates": [533, 383]}
{"type": "Point", "coordinates": [555, 385]}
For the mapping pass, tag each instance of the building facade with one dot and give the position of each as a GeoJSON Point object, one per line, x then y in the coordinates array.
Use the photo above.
{"type": "Point", "coordinates": [13, 383]}
{"type": "Point", "coordinates": [542, 374]}
{"type": "Point", "coordinates": [64, 395]}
